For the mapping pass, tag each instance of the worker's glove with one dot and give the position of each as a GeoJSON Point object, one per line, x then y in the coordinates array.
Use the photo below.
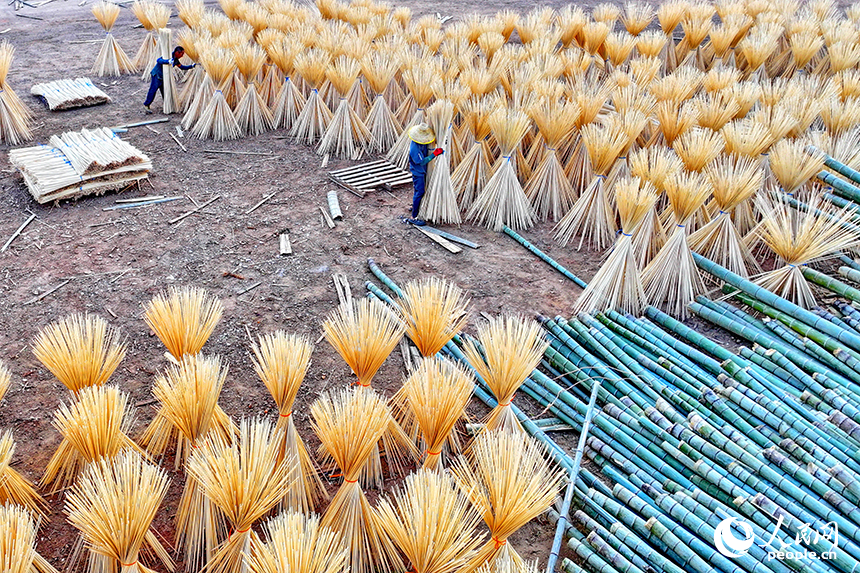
{"type": "Point", "coordinates": [438, 151]}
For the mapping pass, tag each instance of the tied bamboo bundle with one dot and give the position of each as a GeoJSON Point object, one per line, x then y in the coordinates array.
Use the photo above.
{"type": "Point", "coordinates": [252, 113]}
{"type": "Point", "coordinates": [592, 216]}
{"type": "Point", "coordinates": [281, 361]}
{"type": "Point", "coordinates": [14, 115]}
{"type": "Point", "coordinates": [505, 563]}
{"type": "Point", "coordinates": [503, 201]}
{"type": "Point", "coordinates": [346, 135]}
{"type": "Point", "coordinates": [746, 138]}
{"type": "Point", "coordinates": [758, 45]}
{"type": "Point", "coordinates": [113, 505]}
{"type": "Point", "coordinates": [440, 201]}
{"type": "Point", "coordinates": [112, 60]}
{"type": "Point", "coordinates": [5, 379]}
{"type": "Point", "coordinates": [245, 480]}
{"type": "Point", "coordinates": [617, 285]}
{"type": "Point", "coordinates": [734, 180]}
{"type": "Point", "coordinates": [191, 12]}
{"type": "Point", "coordinates": [315, 116]}
{"type": "Point", "coordinates": [146, 12]}
{"type": "Point", "coordinates": [188, 410]}
{"type": "Point", "coordinates": [14, 487]}
{"type": "Point", "coordinates": [510, 482]}
{"type": "Point", "coordinates": [419, 81]}
{"type": "Point", "coordinates": [191, 41]}
{"type": "Point", "coordinates": [716, 109]}
{"type": "Point", "coordinates": [81, 350]}
{"type": "Point", "coordinates": [794, 164]}
{"type": "Point", "coordinates": [290, 100]}
{"type": "Point", "coordinates": [217, 120]}
{"type": "Point", "coordinates": [698, 147]}
{"type": "Point", "coordinates": [471, 174]}
{"type": "Point", "coordinates": [349, 424]}
{"type": "Point", "coordinates": [432, 523]}
{"type": "Point", "coordinates": [296, 542]}
{"type": "Point", "coordinates": [18, 542]}
{"type": "Point", "coordinates": [183, 319]}
{"type": "Point", "coordinates": [636, 17]}
{"type": "Point", "coordinates": [800, 237]}
{"type": "Point", "coordinates": [508, 349]}
{"type": "Point", "coordinates": [93, 427]}
{"type": "Point", "coordinates": [671, 279]}
{"type": "Point", "coordinates": [379, 69]}
{"type": "Point", "coordinates": [549, 189]}
{"type": "Point", "coordinates": [203, 94]}
{"type": "Point", "coordinates": [434, 400]}
{"type": "Point", "coordinates": [433, 311]}
{"type": "Point", "coordinates": [170, 102]}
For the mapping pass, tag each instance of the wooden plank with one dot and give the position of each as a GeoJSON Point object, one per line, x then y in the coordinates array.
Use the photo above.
{"type": "Point", "coordinates": [140, 123]}
{"type": "Point", "coordinates": [375, 170]}
{"type": "Point", "coordinates": [445, 243]}
{"type": "Point", "coordinates": [140, 199]}
{"type": "Point", "coordinates": [381, 174]}
{"type": "Point", "coordinates": [225, 151]}
{"type": "Point", "coordinates": [394, 183]}
{"type": "Point", "coordinates": [346, 186]}
{"type": "Point", "coordinates": [452, 238]}
{"type": "Point", "coordinates": [285, 247]}
{"type": "Point", "coordinates": [356, 167]}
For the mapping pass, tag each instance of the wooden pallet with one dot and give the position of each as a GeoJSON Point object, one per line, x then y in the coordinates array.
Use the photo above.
{"type": "Point", "coordinates": [359, 179]}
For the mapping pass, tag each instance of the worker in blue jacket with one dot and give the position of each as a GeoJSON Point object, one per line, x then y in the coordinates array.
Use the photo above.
{"type": "Point", "coordinates": [420, 155]}
{"type": "Point", "coordinates": [156, 82]}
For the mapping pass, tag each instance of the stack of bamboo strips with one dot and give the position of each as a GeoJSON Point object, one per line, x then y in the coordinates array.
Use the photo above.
{"type": "Point", "coordinates": [78, 164]}
{"type": "Point", "coordinates": [68, 94]}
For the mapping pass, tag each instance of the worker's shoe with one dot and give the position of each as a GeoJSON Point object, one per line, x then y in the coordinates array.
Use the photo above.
{"type": "Point", "coordinates": [417, 222]}
{"type": "Point", "coordinates": [147, 110]}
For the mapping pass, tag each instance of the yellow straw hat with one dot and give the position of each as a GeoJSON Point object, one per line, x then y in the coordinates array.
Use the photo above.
{"type": "Point", "coordinates": [421, 133]}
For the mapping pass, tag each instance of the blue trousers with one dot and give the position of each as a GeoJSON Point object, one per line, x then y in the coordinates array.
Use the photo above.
{"type": "Point", "coordinates": [155, 85]}
{"type": "Point", "coordinates": [418, 185]}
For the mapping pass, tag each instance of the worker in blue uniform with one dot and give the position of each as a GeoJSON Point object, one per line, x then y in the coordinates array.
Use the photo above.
{"type": "Point", "coordinates": [420, 155]}
{"type": "Point", "coordinates": [156, 82]}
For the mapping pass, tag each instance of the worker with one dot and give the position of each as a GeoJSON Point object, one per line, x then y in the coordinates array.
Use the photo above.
{"type": "Point", "coordinates": [419, 156]}
{"type": "Point", "coordinates": [156, 82]}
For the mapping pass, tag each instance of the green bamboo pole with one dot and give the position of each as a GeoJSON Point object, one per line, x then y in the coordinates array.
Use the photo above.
{"type": "Point", "coordinates": [832, 284]}
{"type": "Point", "coordinates": [544, 257]}
{"type": "Point", "coordinates": [841, 186]}
{"type": "Point", "coordinates": [850, 263]}
{"type": "Point", "coordinates": [837, 166]}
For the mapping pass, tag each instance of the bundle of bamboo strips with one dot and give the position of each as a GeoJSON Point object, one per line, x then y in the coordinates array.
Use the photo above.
{"type": "Point", "coordinates": [81, 350]}
{"type": "Point", "coordinates": [246, 480]}
{"type": "Point", "coordinates": [510, 482]}
{"type": "Point", "coordinates": [297, 542]}
{"type": "Point", "coordinates": [191, 41]}
{"type": "Point", "coordinates": [419, 81]}
{"type": "Point", "coordinates": [252, 113]}
{"type": "Point", "coordinates": [281, 361]}
{"type": "Point", "coordinates": [508, 348]}
{"type": "Point", "coordinates": [112, 60]}
{"type": "Point", "coordinates": [289, 101]}
{"type": "Point", "coordinates": [346, 135]}
{"type": "Point", "coordinates": [188, 410]}
{"type": "Point", "coordinates": [434, 311]}
{"type": "Point", "coordinates": [698, 147]}
{"type": "Point", "coordinates": [18, 542]}
{"type": "Point", "coordinates": [113, 505]}
{"type": "Point", "coordinates": [183, 319]}
{"type": "Point", "coordinates": [14, 487]}
{"type": "Point", "coordinates": [216, 119]}
{"type": "Point", "coordinates": [14, 115]}
{"type": "Point", "coordinates": [350, 423]}
{"type": "Point", "coordinates": [617, 286]}
{"type": "Point", "coordinates": [379, 68]}
{"type": "Point", "coordinates": [205, 90]}
{"type": "Point", "coordinates": [794, 164]}
{"type": "Point", "coordinates": [191, 12]}
{"type": "Point", "coordinates": [440, 201]}
{"type": "Point", "coordinates": [60, 95]}
{"type": "Point", "coordinates": [503, 201]}
{"type": "Point", "coordinates": [671, 279]}
{"type": "Point", "coordinates": [154, 16]}
{"type": "Point", "coordinates": [472, 172]}
{"type": "Point", "coordinates": [315, 116]}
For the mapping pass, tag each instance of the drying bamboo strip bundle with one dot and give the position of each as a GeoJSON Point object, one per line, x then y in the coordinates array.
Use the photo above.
{"type": "Point", "coordinates": [799, 237]}
{"type": "Point", "coordinates": [297, 543]}
{"type": "Point", "coordinates": [793, 164]}
{"type": "Point", "coordinates": [153, 16]}
{"type": "Point", "coordinates": [510, 348]}
{"type": "Point", "coordinates": [191, 12]}
{"type": "Point", "coordinates": [433, 311]}
{"type": "Point", "coordinates": [252, 113]}
{"type": "Point", "coordinates": [346, 135]}
{"type": "Point", "coordinates": [5, 379]}
{"type": "Point", "coordinates": [315, 116]}
{"type": "Point", "coordinates": [112, 60]}
{"type": "Point", "coordinates": [473, 170]}
{"type": "Point", "coordinates": [281, 361]}
{"type": "Point", "coordinates": [14, 487]}
{"type": "Point", "coordinates": [439, 204]}
{"type": "Point", "coordinates": [79, 163]}
{"type": "Point", "coordinates": [419, 80]}
{"type": "Point", "coordinates": [503, 201]}
{"type": "Point", "coordinates": [432, 523]}
{"type": "Point", "coordinates": [68, 94]}
{"type": "Point", "coordinates": [18, 542]}
{"type": "Point", "coordinates": [509, 481]}
{"type": "Point", "coordinates": [200, 101]}
{"type": "Point", "coordinates": [617, 286]}
{"type": "Point", "coordinates": [246, 480]}
{"type": "Point", "coordinates": [14, 115]}
{"type": "Point", "coordinates": [433, 401]}
{"type": "Point", "coordinates": [188, 410]}
{"type": "Point", "coordinates": [592, 217]}
{"type": "Point", "coordinates": [734, 180]}
{"type": "Point", "coordinates": [671, 279]}
{"type": "Point", "coordinates": [191, 41]}
{"type": "Point", "coordinates": [379, 68]}
{"type": "Point", "coordinates": [183, 319]}
{"type": "Point", "coordinates": [164, 47]}
{"type": "Point", "coordinates": [698, 147]}
{"type": "Point", "coordinates": [217, 120]}
{"type": "Point", "coordinates": [290, 100]}
{"type": "Point", "coordinates": [81, 350]}
{"type": "Point", "coordinates": [350, 423]}
{"type": "Point", "coordinates": [113, 505]}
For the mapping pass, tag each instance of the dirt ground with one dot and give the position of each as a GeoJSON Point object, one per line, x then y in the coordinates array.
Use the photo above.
{"type": "Point", "coordinates": [116, 260]}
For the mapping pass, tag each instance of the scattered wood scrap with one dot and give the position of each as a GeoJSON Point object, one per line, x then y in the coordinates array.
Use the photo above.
{"type": "Point", "coordinates": [79, 163]}
{"type": "Point", "coordinates": [69, 94]}
{"type": "Point", "coordinates": [48, 292]}
{"type": "Point", "coordinates": [359, 179]}
{"type": "Point", "coordinates": [341, 285]}
{"type": "Point", "coordinates": [334, 205]}
{"type": "Point", "coordinates": [260, 202]}
{"type": "Point", "coordinates": [16, 233]}
{"type": "Point", "coordinates": [451, 237]}
{"type": "Point", "coordinates": [407, 355]}
{"type": "Point", "coordinates": [192, 211]}
{"type": "Point", "coordinates": [284, 246]}
{"type": "Point", "coordinates": [327, 217]}
{"type": "Point", "coordinates": [179, 143]}
{"type": "Point", "coordinates": [142, 123]}
{"type": "Point", "coordinates": [443, 242]}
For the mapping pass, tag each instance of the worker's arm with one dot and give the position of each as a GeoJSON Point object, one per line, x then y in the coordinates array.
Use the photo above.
{"type": "Point", "coordinates": [432, 155]}
{"type": "Point", "coordinates": [181, 67]}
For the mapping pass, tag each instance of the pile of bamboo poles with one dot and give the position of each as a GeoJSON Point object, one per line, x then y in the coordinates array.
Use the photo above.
{"type": "Point", "coordinates": [60, 95]}
{"type": "Point", "coordinates": [79, 163]}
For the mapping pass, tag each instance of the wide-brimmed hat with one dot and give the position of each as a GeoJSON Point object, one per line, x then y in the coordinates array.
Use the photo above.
{"type": "Point", "coordinates": [421, 133]}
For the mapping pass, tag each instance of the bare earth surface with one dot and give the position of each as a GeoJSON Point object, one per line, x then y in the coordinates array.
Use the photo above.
{"type": "Point", "coordinates": [117, 260]}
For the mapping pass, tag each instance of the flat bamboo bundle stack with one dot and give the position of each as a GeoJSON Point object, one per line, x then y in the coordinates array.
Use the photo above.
{"type": "Point", "coordinates": [64, 94]}
{"type": "Point", "coordinates": [78, 164]}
